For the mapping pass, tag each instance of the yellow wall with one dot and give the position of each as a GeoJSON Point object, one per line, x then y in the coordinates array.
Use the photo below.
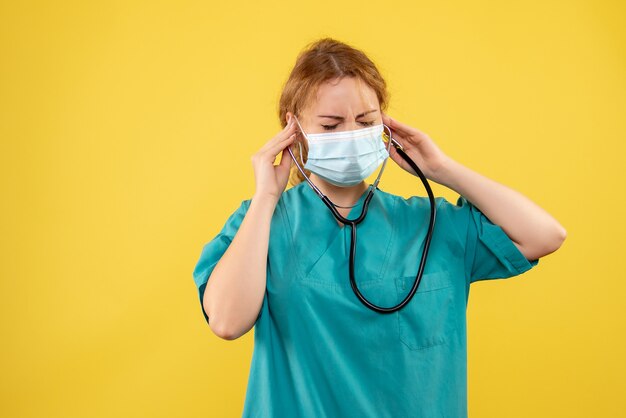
{"type": "Point", "coordinates": [126, 132]}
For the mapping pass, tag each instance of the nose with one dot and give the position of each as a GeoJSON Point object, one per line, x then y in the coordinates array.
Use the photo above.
{"type": "Point", "coordinates": [353, 125]}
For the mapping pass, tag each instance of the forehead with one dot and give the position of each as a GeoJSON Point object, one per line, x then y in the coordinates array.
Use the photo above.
{"type": "Point", "coordinates": [348, 94]}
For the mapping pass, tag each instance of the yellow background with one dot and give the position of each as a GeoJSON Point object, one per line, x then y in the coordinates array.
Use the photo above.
{"type": "Point", "coordinates": [127, 130]}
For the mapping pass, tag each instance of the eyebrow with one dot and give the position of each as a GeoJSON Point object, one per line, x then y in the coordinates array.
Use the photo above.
{"type": "Point", "coordinates": [342, 118]}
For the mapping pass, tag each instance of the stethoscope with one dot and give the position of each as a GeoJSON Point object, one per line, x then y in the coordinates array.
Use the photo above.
{"type": "Point", "coordinates": [353, 223]}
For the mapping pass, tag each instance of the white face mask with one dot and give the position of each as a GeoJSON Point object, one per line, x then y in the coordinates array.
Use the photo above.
{"type": "Point", "coordinates": [345, 158]}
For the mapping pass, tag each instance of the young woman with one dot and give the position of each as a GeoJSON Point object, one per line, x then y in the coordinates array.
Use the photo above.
{"type": "Point", "coordinates": [281, 261]}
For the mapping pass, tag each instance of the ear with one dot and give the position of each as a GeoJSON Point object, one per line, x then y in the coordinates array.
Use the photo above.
{"type": "Point", "coordinates": [288, 115]}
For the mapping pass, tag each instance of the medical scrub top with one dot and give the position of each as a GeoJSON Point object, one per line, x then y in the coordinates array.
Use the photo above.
{"type": "Point", "coordinates": [319, 352]}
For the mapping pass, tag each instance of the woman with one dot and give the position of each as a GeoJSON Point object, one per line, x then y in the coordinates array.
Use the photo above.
{"type": "Point", "coordinates": [280, 263]}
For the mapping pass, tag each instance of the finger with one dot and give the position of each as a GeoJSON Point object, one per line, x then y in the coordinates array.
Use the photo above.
{"type": "Point", "coordinates": [399, 126]}
{"type": "Point", "coordinates": [274, 149]}
{"type": "Point", "coordinates": [396, 133]}
{"type": "Point", "coordinates": [285, 160]}
{"type": "Point", "coordinates": [286, 132]}
{"type": "Point", "coordinates": [291, 124]}
{"type": "Point", "coordinates": [281, 136]}
{"type": "Point", "coordinates": [397, 136]}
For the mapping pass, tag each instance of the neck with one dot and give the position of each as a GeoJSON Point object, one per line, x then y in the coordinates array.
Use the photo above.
{"type": "Point", "coordinates": [342, 196]}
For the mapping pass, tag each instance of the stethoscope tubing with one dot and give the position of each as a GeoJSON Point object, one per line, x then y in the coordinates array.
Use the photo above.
{"type": "Point", "coordinates": [353, 222]}
{"type": "Point", "coordinates": [420, 270]}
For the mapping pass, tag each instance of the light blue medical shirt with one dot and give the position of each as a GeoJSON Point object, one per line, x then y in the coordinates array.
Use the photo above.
{"type": "Point", "coordinates": [319, 352]}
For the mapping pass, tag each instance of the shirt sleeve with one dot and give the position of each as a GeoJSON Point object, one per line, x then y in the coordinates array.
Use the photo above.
{"type": "Point", "coordinates": [489, 252]}
{"type": "Point", "coordinates": [214, 249]}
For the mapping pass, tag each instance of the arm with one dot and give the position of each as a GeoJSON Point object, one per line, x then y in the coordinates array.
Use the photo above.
{"type": "Point", "coordinates": [234, 292]}
{"type": "Point", "coordinates": [235, 289]}
{"type": "Point", "coordinates": [533, 231]}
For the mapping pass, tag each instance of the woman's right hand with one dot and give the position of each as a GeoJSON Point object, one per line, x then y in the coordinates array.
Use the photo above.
{"type": "Point", "coordinates": [271, 179]}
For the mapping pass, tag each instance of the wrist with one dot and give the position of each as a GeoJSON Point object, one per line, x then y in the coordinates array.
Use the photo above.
{"type": "Point", "coordinates": [448, 172]}
{"type": "Point", "coordinates": [265, 198]}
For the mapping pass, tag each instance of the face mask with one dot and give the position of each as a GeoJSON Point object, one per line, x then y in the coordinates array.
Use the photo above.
{"type": "Point", "coordinates": [345, 158]}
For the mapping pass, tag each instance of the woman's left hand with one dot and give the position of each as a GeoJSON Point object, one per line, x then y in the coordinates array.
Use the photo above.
{"type": "Point", "coordinates": [419, 147]}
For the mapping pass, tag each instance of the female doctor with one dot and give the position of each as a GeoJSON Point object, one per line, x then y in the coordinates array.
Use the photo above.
{"type": "Point", "coordinates": [280, 263]}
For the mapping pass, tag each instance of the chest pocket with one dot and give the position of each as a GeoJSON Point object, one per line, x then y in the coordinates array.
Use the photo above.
{"type": "Point", "coordinates": [428, 319]}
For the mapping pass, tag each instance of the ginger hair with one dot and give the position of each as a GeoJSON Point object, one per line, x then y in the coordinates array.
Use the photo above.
{"type": "Point", "coordinates": [320, 61]}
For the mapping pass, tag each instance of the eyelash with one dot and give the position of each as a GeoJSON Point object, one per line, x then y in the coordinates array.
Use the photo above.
{"type": "Point", "coordinates": [331, 127]}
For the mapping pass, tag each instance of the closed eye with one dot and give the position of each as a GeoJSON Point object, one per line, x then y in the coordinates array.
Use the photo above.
{"type": "Point", "coordinates": [331, 127]}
